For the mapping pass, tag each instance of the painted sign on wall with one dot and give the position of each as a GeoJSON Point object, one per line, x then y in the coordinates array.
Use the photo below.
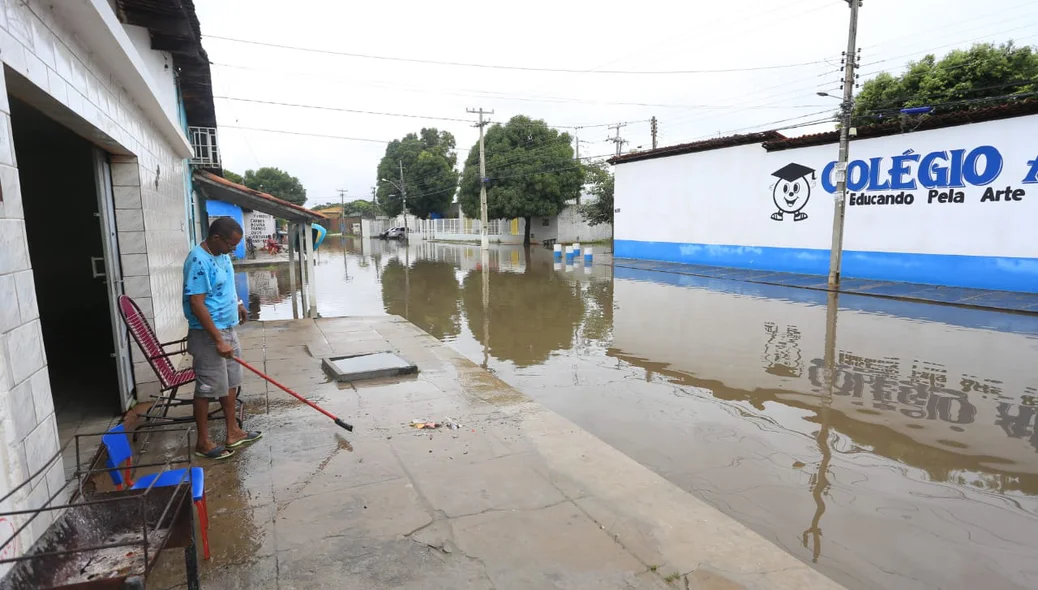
{"type": "Point", "coordinates": [952, 206]}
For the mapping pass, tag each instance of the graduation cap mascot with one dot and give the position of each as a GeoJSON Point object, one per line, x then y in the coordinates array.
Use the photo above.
{"type": "Point", "coordinates": [792, 191]}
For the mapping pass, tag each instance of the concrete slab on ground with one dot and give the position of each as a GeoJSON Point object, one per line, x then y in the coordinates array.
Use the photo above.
{"type": "Point", "coordinates": [514, 497]}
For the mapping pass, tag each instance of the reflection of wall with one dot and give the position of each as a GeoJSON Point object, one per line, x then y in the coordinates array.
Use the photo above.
{"type": "Point", "coordinates": [964, 390]}
{"type": "Point", "coordinates": [264, 283]}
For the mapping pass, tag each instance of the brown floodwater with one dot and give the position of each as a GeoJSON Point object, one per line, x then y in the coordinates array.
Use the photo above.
{"type": "Point", "coordinates": [890, 444]}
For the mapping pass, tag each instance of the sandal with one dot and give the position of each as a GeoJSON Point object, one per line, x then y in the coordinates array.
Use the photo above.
{"type": "Point", "coordinates": [217, 453]}
{"type": "Point", "coordinates": [250, 437]}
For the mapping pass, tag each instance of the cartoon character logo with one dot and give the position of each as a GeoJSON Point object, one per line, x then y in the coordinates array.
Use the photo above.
{"type": "Point", "coordinates": [792, 191]}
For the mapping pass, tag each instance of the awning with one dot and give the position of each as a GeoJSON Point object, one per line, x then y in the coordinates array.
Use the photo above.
{"type": "Point", "coordinates": [217, 188]}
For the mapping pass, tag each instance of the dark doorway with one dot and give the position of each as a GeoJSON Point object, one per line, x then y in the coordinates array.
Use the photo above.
{"type": "Point", "coordinates": [59, 191]}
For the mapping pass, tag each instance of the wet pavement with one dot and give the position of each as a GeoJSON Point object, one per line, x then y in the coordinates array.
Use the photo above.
{"type": "Point", "coordinates": [886, 443]}
{"type": "Point", "coordinates": [514, 497]}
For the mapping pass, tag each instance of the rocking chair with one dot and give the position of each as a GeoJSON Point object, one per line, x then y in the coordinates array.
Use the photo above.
{"type": "Point", "coordinates": [170, 379]}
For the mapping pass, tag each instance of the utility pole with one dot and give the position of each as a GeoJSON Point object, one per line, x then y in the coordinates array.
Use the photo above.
{"type": "Point", "coordinates": [484, 240]}
{"type": "Point", "coordinates": [576, 138]}
{"type": "Point", "coordinates": [403, 195]}
{"type": "Point", "coordinates": [839, 206]}
{"type": "Point", "coordinates": [653, 125]}
{"type": "Point", "coordinates": [342, 210]}
{"type": "Point", "coordinates": [617, 140]}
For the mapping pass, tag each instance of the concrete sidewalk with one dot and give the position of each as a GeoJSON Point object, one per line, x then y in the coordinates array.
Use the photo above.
{"type": "Point", "coordinates": [517, 498]}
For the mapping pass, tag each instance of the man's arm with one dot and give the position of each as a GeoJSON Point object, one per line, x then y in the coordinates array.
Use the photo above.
{"type": "Point", "coordinates": [198, 308]}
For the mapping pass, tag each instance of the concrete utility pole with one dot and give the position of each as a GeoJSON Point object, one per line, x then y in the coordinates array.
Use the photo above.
{"type": "Point", "coordinates": [484, 240]}
{"type": "Point", "coordinates": [342, 210]}
{"type": "Point", "coordinates": [617, 140]}
{"type": "Point", "coordinates": [839, 205]}
{"type": "Point", "coordinates": [403, 195]}
{"type": "Point", "coordinates": [654, 126]}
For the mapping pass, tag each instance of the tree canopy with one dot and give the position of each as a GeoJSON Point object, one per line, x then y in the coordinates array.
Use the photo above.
{"type": "Point", "coordinates": [232, 176]}
{"type": "Point", "coordinates": [962, 79]}
{"type": "Point", "coordinates": [600, 179]}
{"type": "Point", "coordinates": [275, 182]}
{"type": "Point", "coordinates": [430, 174]}
{"type": "Point", "coordinates": [358, 207]}
{"type": "Point", "coordinates": [530, 172]}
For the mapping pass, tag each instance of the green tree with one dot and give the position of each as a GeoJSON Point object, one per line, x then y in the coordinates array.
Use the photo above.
{"type": "Point", "coordinates": [530, 172]}
{"type": "Point", "coordinates": [963, 79]}
{"type": "Point", "coordinates": [276, 182]}
{"type": "Point", "coordinates": [365, 209]}
{"type": "Point", "coordinates": [430, 173]}
{"type": "Point", "coordinates": [232, 176]}
{"type": "Point", "coordinates": [600, 179]}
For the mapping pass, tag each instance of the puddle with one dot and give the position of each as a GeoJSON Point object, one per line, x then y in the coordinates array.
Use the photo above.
{"type": "Point", "coordinates": [886, 443]}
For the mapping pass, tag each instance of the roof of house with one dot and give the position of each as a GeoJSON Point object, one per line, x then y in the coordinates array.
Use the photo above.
{"type": "Point", "coordinates": [699, 146]}
{"type": "Point", "coordinates": [218, 188]}
{"type": "Point", "coordinates": [174, 28]}
{"type": "Point", "coordinates": [893, 127]}
{"type": "Point", "coordinates": [774, 141]}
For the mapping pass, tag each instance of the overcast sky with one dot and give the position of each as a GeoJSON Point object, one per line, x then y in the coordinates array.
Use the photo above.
{"type": "Point", "coordinates": [604, 35]}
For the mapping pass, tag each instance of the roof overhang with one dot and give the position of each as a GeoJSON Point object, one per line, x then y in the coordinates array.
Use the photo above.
{"type": "Point", "coordinates": [217, 188]}
{"type": "Point", "coordinates": [96, 24]}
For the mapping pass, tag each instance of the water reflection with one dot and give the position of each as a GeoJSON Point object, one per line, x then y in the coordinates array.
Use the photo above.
{"type": "Point", "coordinates": [530, 315]}
{"type": "Point", "coordinates": [427, 294]}
{"type": "Point", "coordinates": [907, 433]}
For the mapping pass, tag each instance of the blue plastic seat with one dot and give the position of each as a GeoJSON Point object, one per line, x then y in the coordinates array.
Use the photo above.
{"type": "Point", "coordinates": [120, 465]}
{"type": "Point", "coordinates": [172, 478]}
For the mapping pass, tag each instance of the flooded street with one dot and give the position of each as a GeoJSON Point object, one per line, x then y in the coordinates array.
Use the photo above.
{"type": "Point", "coordinates": [891, 444]}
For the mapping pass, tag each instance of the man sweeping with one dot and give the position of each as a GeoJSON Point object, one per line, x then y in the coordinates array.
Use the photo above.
{"type": "Point", "coordinates": [212, 309]}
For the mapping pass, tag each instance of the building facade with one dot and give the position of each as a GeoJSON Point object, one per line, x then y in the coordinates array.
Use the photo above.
{"type": "Point", "coordinates": [98, 99]}
{"type": "Point", "coordinates": [950, 202]}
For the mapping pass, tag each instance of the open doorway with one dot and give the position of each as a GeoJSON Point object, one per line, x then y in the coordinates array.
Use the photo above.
{"type": "Point", "coordinates": [58, 172]}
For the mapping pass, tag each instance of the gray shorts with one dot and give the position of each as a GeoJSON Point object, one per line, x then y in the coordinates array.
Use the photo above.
{"type": "Point", "coordinates": [214, 374]}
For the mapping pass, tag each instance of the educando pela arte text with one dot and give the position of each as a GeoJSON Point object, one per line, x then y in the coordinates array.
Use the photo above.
{"type": "Point", "coordinates": [945, 176]}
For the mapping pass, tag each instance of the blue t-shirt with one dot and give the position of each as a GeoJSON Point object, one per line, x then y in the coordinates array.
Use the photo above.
{"type": "Point", "coordinates": [214, 277]}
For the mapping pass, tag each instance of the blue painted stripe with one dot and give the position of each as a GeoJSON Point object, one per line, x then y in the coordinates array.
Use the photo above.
{"type": "Point", "coordinates": [978, 272]}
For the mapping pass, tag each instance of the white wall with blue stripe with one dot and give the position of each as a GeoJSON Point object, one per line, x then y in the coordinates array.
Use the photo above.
{"type": "Point", "coordinates": [956, 206]}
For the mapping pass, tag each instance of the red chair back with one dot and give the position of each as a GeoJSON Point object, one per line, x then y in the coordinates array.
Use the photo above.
{"type": "Point", "coordinates": [145, 337]}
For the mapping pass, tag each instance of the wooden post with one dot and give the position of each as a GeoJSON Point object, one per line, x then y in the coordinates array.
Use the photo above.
{"type": "Point", "coordinates": [292, 269]}
{"type": "Point", "coordinates": [311, 270]}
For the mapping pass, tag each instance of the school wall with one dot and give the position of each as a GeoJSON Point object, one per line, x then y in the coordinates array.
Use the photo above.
{"type": "Point", "coordinates": [44, 54]}
{"type": "Point", "coordinates": [716, 208]}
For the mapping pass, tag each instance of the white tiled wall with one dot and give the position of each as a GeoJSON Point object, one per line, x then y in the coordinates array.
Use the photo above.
{"type": "Point", "coordinates": [149, 195]}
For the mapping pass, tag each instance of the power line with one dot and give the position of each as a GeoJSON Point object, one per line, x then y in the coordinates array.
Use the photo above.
{"type": "Point", "coordinates": [505, 67]}
{"type": "Point", "coordinates": [303, 134]}
{"type": "Point", "coordinates": [339, 109]}
{"type": "Point", "coordinates": [495, 95]}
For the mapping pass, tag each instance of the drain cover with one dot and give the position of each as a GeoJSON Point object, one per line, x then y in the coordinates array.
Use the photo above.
{"type": "Point", "coordinates": [367, 366]}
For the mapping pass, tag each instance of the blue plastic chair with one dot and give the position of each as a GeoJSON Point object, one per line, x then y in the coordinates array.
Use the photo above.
{"type": "Point", "coordinates": [120, 465]}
